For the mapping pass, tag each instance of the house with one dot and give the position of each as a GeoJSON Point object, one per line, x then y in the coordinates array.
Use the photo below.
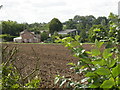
{"type": "Point", "coordinates": [69, 31]}
{"type": "Point", "coordinates": [27, 37]}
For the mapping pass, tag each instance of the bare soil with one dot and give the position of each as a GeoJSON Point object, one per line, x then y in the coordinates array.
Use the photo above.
{"type": "Point", "coordinates": [52, 61]}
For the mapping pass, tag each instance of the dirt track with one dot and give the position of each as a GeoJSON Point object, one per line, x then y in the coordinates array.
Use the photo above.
{"type": "Point", "coordinates": [53, 60]}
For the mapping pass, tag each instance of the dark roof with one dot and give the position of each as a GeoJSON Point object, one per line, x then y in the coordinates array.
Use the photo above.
{"type": "Point", "coordinates": [67, 31]}
{"type": "Point", "coordinates": [26, 31]}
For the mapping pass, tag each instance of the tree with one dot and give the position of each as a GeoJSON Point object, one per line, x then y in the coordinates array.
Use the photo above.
{"type": "Point", "coordinates": [11, 27]}
{"type": "Point", "coordinates": [44, 36]}
{"type": "Point", "coordinates": [55, 25]}
{"type": "Point", "coordinates": [98, 32]}
{"type": "Point", "coordinates": [101, 20]}
{"type": "Point", "coordinates": [70, 24]}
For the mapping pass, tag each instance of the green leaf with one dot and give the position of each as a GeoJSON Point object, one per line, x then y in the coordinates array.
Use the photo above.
{"type": "Point", "coordinates": [111, 62]}
{"type": "Point", "coordinates": [97, 29]}
{"type": "Point", "coordinates": [98, 44]}
{"type": "Point", "coordinates": [118, 80]}
{"type": "Point", "coordinates": [115, 71]}
{"type": "Point", "coordinates": [67, 39]}
{"type": "Point", "coordinates": [93, 86]}
{"type": "Point", "coordinates": [107, 53]}
{"type": "Point", "coordinates": [95, 52]}
{"type": "Point", "coordinates": [107, 84]}
{"type": "Point", "coordinates": [88, 52]}
{"type": "Point", "coordinates": [75, 43]}
{"type": "Point", "coordinates": [72, 64]}
{"type": "Point", "coordinates": [77, 37]}
{"type": "Point", "coordinates": [57, 39]}
{"type": "Point", "coordinates": [15, 86]}
{"type": "Point", "coordinates": [90, 74]}
{"type": "Point", "coordinates": [99, 62]}
{"type": "Point", "coordinates": [103, 71]}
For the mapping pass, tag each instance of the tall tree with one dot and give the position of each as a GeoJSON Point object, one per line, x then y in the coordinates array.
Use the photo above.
{"type": "Point", "coordinates": [55, 25]}
{"type": "Point", "coordinates": [12, 28]}
{"type": "Point", "coordinates": [70, 24]}
{"type": "Point", "coordinates": [101, 20]}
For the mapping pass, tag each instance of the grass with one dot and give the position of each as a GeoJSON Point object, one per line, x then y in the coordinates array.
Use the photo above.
{"type": "Point", "coordinates": [38, 43]}
{"type": "Point", "coordinates": [88, 43]}
{"type": "Point", "coordinates": [27, 43]}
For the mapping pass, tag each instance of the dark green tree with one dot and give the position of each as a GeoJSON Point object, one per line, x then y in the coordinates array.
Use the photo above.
{"type": "Point", "coordinates": [101, 20]}
{"type": "Point", "coordinates": [44, 36]}
{"type": "Point", "coordinates": [70, 24]}
{"type": "Point", "coordinates": [55, 25]}
{"type": "Point", "coordinates": [11, 27]}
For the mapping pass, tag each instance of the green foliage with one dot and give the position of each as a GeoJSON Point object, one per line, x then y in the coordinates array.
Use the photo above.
{"type": "Point", "coordinates": [99, 68]}
{"type": "Point", "coordinates": [44, 36]}
{"type": "Point", "coordinates": [7, 37]}
{"type": "Point", "coordinates": [70, 24]}
{"type": "Point", "coordinates": [37, 27]}
{"type": "Point", "coordinates": [108, 83]}
{"type": "Point", "coordinates": [12, 28]}
{"type": "Point", "coordinates": [55, 25]}
{"type": "Point", "coordinates": [98, 32]}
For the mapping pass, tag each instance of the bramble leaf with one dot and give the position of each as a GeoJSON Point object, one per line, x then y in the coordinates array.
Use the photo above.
{"type": "Point", "coordinates": [72, 64]}
{"type": "Point", "coordinates": [103, 71]}
{"type": "Point", "coordinates": [75, 43]}
{"type": "Point", "coordinates": [107, 53]}
{"type": "Point", "coordinates": [95, 52]}
{"type": "Point", "coordinates": [90, 74]}
{"type": "Point", "coordinates": [99, 62]}
{"type": "Point", "coordinates": [77, 37]}
{"type": "Point", "coordinates": [115, 71]}
{"type": "Point", "coordinates": [107, 84]}
{"type": "Point", "coordinates": [98, 44]}
{"type": "Point", "coordinates": [111, 62]}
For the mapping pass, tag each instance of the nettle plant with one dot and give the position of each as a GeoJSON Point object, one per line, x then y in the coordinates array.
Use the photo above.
{"type": "Point", "coordinates": [99, 68]}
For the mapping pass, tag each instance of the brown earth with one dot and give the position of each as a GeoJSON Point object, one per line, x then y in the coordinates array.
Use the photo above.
{"type": "Point", "coordinates": [53, 60]}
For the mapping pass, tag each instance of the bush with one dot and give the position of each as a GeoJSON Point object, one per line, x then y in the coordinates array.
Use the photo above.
{"type": "Point", "coordinates": [7, 37]}
{"type": "Point", "coordinates": [44, 36]}
{"type": "Point", "coordinates": [100, 69]}
{"type": "Point", "coordinates": [11, 75]}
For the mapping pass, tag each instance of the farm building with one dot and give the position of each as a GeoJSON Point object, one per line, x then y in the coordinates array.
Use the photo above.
{"type": "Point", "coordinates": [69, 31]}
{"type": "Point", "coordinates": [27, 37]}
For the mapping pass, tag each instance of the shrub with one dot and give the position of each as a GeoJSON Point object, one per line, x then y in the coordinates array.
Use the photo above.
{"type": "Point", "coordinates": [11, 75]}
{"type": "Point", "coordinates": [100, 69]}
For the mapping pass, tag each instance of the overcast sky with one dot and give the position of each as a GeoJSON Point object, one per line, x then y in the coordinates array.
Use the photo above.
{"type": "Point", "coordinates": [31, 11]}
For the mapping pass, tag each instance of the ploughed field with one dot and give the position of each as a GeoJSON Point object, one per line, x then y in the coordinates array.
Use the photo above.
{"type": "Point", "coordinates": [52, 61]}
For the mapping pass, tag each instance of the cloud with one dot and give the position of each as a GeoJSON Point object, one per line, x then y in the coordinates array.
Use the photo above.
{"type": "Point", "coordinates": [48, 5]}
{"type": "Point", "coordinates": [44, 10]}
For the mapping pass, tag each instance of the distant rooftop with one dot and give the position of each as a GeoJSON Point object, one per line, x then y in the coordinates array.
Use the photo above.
{"type": "Point", "coordinates": [67, 31]}
{"type": "Point", "coordinates": [26, 31]}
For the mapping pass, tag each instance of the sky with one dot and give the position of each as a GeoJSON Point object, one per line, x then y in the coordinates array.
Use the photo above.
{"type": "Point", "coordinates": [40, 11]}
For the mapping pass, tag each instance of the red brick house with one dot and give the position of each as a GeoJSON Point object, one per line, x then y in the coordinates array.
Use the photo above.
{"type": "Point", "coordinates": [28, 37]}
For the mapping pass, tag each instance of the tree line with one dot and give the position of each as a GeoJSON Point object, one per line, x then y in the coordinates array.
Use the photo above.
{"type": "Point", "coordinates": [86, 25]}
